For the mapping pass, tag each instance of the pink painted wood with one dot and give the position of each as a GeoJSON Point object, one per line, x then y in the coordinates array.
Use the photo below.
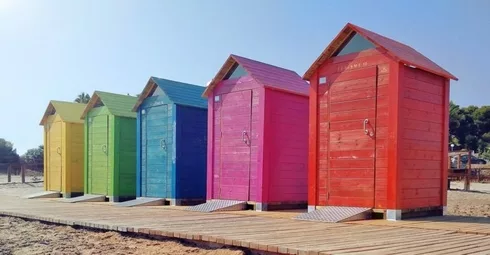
{"type": "Point", "coordinates": [272, 165]}
{"type": "Point", "coordinates": [234, 118]}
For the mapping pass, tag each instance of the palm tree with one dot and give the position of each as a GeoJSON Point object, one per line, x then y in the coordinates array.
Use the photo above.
{"type": "Point", "coordinates": [83, 98]}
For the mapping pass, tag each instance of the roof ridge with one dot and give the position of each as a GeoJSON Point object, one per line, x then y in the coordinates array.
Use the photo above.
{"type": "Point", "coordinates": [111, 93]}
{"type": "Point", "coordinates": [397, 51]}
{"type": "Point", "coordinates": [263, 63]}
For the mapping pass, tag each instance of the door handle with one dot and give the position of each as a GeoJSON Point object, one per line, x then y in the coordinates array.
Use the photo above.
{"type": "Point", "coordinates": [58, 150]}
{"type": "Point", "coordinates": [104, 148]}
{"type": "Point", "coordinates": [366, 121]}
{"type": "Point", "coordinates": [163, 144]}
{"type": "Point", "coordinates": [244, 138]}
{"type": "Point", "coordinates": [366, 131]}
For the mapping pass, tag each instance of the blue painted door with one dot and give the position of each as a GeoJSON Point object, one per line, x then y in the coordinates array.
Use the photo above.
{"type": "Point", "coordinates": [156, 146]}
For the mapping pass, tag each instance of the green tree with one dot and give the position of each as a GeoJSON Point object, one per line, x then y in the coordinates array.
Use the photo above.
{"type": "Point", "coordinates": [7, 152]}
{"type": "Point", "coordinates": [34, 156]}
{"type": "Point", "coordinates": [83, 98]}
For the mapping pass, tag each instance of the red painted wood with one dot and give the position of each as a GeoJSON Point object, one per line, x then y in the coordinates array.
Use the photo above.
{"type": "Point", "coordinates": [313, 143]}
{"type": "Point", "coordinates": [342, 105]}
{"type": "Point", "coordinates": [393, 199]}
{"type": "Point", "coordinates": [445, 142]}
{"type": "Point", "coordinates": [422, 164]}
{"type": "Point", "coordinates": [353, 107]}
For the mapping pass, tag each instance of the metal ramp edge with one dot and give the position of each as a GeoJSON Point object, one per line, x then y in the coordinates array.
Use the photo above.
{"type": "Point", "coordinates": [216, 205]}
{"type": "Point", "coordinates": [142, 201]}
{"type": "Point", "coordinates": [44, 194]}
{"type": "Point", "coordinates": [85, 198]}
{"type": "Point", "coordinates": [336, 214]}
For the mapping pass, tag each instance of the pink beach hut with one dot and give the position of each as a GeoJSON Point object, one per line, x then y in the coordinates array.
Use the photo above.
{"type": "Point", "coordinates": [257, 136]}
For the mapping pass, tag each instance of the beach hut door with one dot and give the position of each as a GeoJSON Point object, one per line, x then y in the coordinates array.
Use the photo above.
{"type": "Point", "coordinates": [235, 113]}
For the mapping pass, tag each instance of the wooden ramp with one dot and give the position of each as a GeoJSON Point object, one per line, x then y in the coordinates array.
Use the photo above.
{"type": "Point", "coordinates": [257, 231]}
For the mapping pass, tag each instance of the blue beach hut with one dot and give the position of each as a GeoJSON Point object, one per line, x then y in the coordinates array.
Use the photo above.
{"type": "Point", "coordinates": [171, 142]}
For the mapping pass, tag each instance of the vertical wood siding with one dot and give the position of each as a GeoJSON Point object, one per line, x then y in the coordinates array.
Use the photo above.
{"type": "Point", "coordinates": [422, 111]}
{"type": "Point", "coordinates": [285, 147]}
{"type": "Point", "coordinates": [98, 160]}
{"type": "Point", "coordinates": [124, 156]}
{"type": "Point", "coordinates": [157, 142]}
{"type": "Point", "coordinates": [231, 150]}
{"type": "Point", "coordinates": [63, 149]}
{"type": "Point", "coordinates": [351, 166]}
{"type": "Point", "coordinates": [74, 157]}
{"type": "Point", "coordinates": [55, 140]}
{"type": "Point", "coordinates": [191, 141]}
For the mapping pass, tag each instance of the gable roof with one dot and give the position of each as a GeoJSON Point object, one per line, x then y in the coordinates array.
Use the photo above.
{"type": "Point", "coordinates": [267, 75]}
{"type": "Point", "coordinates": [178, 92]}
{"type": "Point", "coordinates": [398, 51]}
{"type": "Point", "coordinates": [68, 111]}
{"type": "Point", "coordinates": [117, 104]}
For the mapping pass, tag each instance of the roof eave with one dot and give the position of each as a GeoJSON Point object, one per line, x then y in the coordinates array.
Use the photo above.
{"type": "Point", "coordinates": [225, 68]}
{"type": "Point", "coordinates": [45, 116]}
{"type": "Point", "coordinates": [93, 99]}
{"type": "Point", "coordinates": [144, 94]}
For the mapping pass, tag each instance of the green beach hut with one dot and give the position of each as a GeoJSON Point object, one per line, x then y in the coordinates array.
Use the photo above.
{"type": "Point", "coordinates": [110, 146]}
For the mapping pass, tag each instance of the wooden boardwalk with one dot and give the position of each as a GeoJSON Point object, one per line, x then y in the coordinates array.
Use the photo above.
{"type": "Point", "coordinates": [268, 231]}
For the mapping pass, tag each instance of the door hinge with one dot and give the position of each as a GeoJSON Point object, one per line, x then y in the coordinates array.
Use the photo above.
{"type": "Point", "coordinates": [328, 195]}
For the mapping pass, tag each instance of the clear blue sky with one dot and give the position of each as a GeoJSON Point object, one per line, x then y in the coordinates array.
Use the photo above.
{"type": "Point", "coordinates": [57, 49]}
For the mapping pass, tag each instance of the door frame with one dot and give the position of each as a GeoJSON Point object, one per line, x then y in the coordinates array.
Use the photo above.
{"type": "Point", "coordinates": [92, 149]}
{"type": "Point", "coordinates": [249, 142]}
{"type": "Point", "coordinates": [374, 137]}
{"type": "Point", "coordinates": [145, 130]}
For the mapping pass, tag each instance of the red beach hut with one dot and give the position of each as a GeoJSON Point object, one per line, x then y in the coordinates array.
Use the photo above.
{"type": "Point", "coordinates": [378, 129]}
{"type": "Point", "coordinates": [257, 135]}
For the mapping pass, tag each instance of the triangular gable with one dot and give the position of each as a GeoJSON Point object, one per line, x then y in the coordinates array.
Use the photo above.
{"type": "Point", "coordinates": [355, 43]}
{"type": "Point", "coordinates": [68, 111]}
{"type": "Point", "coordinates": [117, 104]}
{"type": "Point", "coordinates": [398, 51]}
{"type": "Point", "coordinates": [177, 92]}
{"type": "Point", "coordinates": [267, 75]}
{"type": "Point", "coordinates": [236, 71]}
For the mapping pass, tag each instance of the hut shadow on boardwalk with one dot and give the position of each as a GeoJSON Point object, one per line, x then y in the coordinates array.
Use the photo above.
{"type": "Point", "coordinates": [449, 219]}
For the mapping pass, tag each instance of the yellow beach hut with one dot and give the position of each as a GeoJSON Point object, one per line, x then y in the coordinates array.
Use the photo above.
{"type": "Point", "coordinates": [63, 148]}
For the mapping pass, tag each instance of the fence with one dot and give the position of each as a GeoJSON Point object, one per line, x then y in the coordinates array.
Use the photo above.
{"type": "Point", "coordinates": [34, 170]}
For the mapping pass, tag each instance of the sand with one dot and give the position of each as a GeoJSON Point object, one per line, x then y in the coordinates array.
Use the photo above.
{"type": "Point", "coordinates": [469, 203]}
{"type": "Point", "coordinates": [18, 236]}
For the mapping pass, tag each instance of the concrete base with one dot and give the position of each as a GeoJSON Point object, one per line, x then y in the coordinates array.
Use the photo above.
{"type": "Point", "coordinates": [72, 194]}
{"type": "Point", "coordinates": [311, 208]}
{"type": "Point", "coordinates": [142, 201]}
{"type": "Point", "coordinates": [44, 194]}
{"type": "Point", "coordinates": [185, 202]}
{"type": "Point", "coordinates": [85, 198]}
{"type": "Point", "coordinates": [394, 215]}
{"type": "Point", "coordinates": [279, 206]}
